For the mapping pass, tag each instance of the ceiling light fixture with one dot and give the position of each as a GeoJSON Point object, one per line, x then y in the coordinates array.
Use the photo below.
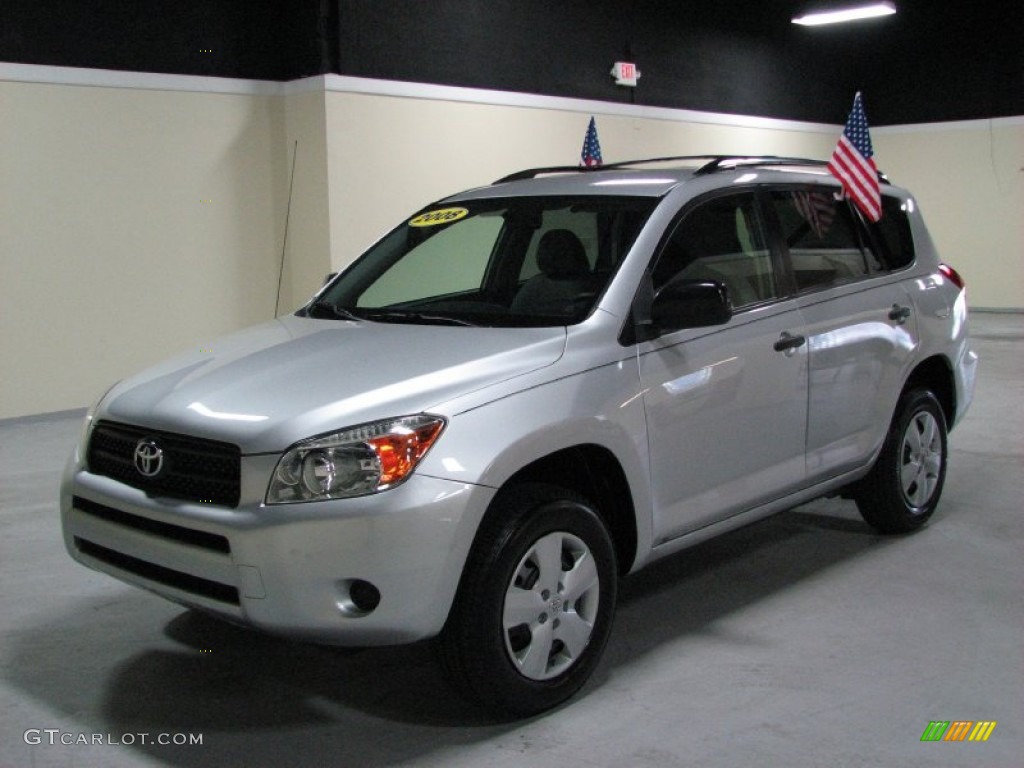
{"type": "Point", "coordinates": [855, 13]}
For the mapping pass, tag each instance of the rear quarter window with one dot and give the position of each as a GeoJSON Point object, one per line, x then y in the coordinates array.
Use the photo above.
{"type": "Point", "coordinates": [892, 234]}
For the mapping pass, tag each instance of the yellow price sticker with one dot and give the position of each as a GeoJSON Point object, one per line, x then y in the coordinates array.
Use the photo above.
{"type": "Point", "coordinates": [440, 216]}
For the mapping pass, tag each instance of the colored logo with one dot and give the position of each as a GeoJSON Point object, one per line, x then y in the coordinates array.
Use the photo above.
{"type": "Point", "coordinates": [958, 730]}
{"type": "Point", "coordinates": [149, 457]}
{"type": "Point", "coordinates": [440, 216]}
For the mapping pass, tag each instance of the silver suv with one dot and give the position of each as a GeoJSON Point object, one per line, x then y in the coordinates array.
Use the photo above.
{"type": "Point", "coordinates": [524, 392]}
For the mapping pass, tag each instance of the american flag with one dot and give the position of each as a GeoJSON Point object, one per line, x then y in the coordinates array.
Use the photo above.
{"type": "Point", "coordinates": [853, 164]}
{"type": "Point", "coordinates": [591, 153]}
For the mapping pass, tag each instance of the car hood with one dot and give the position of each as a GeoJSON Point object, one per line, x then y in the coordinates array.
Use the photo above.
{"type": "Point", "coordinates": [266, 387]}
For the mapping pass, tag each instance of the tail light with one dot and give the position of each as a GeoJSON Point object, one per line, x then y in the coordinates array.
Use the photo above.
{"type": "Point", "coordinates": [952, 275]}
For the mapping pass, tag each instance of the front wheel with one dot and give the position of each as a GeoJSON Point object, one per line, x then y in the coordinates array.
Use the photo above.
{"type": "Point", "coordinates": [903, 488]}
{"type": "Point", "coordinates": [536, 602]}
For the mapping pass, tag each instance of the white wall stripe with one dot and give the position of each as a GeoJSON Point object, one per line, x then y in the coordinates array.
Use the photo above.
{"type": "Point", "coordinates": [346, 84]}
{"type": "Point", "coordinates": [955, 125]}
{"type": "Point", "coordinates": [152, 81]}
{"type": "Point", "coordinates": [106, 78]}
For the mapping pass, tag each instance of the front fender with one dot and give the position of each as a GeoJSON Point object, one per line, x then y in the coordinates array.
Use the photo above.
{"type": "Point", "coordinates": [602, 406]}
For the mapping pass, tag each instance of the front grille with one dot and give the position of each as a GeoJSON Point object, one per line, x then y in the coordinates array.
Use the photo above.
{"type": "Point", "coordinates": [186, 582]}
{"type": "Point", "coordinates": [211, 541]}
{"type": "Point", "coordinates": [194, 469]}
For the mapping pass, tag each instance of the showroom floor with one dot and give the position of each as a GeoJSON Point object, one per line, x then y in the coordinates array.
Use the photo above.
{"type": "Point", "coordinates": [804, 640]}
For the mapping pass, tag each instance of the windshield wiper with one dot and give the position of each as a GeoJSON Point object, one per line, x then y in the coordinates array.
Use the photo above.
{"type": "Point", "coordinates": [334, 309]}
{"type": "Point", "coordinates": [407, 316]}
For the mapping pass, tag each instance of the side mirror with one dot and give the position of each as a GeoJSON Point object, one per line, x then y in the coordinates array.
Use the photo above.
{"type": "Point", "coordinates": [682, 303]}
{"type": "Point", "coordinates": [330, 276]}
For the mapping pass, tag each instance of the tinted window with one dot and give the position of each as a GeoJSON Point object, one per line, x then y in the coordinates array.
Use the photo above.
{"type": "Point", "coordinates": [820, 233]}
{"type": "Point", "coordinates": [892, 234]}
{"type": "Point", "coordinates": [721, 239]}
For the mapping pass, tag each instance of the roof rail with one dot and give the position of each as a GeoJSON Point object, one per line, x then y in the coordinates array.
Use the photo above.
{"type": "Point", "coordinates": [530, 173]}
{"type": "Point", "coordinates": [727, 162]}
{"type": "Point", "coordinates": [713, 163]}
{"type": "Point", "coordinates": [731, 161]}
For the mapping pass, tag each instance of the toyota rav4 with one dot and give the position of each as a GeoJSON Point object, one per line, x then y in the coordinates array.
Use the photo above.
{"type": "Point", "coordinates": [523, 393]}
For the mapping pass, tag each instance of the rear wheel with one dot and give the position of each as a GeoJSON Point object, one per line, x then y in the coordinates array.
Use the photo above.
{"type": "Point", "coordinates": [536, 601]}
{"type": "Point", "coordinates": [903, 488]}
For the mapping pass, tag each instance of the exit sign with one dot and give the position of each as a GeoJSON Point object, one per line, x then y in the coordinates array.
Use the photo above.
{"type": "Point", "coordinates": [625, 73]}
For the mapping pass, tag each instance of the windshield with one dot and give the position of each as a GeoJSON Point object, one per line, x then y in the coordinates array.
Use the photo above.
{"type": "Point", "coordinates": [523, 261]}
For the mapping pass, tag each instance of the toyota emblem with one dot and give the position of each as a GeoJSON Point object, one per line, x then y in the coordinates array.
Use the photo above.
{"type": "Point", "coordinates": [149, 457]}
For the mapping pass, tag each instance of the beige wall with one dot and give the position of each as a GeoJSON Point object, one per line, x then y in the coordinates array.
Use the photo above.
{"type": "Point", "coordinates": [135, 223]}
{"type": "Point", "coordinates": [147, 218]}
{"type": "Point", "coordinates": [969, 179]}
{"type": "Point", "coordinates": [308, 214]}
{"type": "Point", "coordinates": [388, 155]}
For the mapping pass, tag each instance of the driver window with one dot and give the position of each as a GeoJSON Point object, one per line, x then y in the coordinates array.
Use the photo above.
{"type": "Point", "coordinates": [722, 239]}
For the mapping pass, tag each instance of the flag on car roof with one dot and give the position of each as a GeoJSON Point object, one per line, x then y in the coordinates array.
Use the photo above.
{"type": "Point", "coordinates": [853, 163]}
{"type": "Point", "coordinates": [590, 156]}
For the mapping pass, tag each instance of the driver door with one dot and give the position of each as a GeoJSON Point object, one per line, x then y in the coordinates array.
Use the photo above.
{"type": "Point", "coordinates": [726, 406]}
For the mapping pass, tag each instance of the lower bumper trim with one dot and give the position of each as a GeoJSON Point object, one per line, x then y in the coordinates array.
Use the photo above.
{"type": "Point", "coordinates": [185, 582]}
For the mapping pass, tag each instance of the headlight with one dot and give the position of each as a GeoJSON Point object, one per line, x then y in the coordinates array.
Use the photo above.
{"type": "Point", "coordinates": [357, 461]}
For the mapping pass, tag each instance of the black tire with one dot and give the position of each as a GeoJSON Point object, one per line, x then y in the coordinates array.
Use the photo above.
{"type": "Point", "coordinates": [525, 668]}
{"type": "Point", "coordinates": [903, 488]}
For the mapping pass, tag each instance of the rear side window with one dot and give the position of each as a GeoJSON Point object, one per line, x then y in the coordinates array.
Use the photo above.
{"type": "Point", "coordinates": [820, 233]}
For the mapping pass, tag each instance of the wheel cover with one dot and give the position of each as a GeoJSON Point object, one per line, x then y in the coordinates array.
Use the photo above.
{"type": "Point", "coordinates": [551, 606]}
{"type": "Point", "coordinates": [921, 460]}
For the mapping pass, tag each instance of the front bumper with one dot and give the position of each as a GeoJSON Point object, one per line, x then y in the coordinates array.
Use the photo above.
{"type": "Point", "coordinates": [288, 568]}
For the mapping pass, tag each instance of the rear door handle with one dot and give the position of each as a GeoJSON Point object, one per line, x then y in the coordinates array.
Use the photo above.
{"type": "Point", "coordinates": [789, 343]}
{"type": "Point", "coordinates": [899, 314]}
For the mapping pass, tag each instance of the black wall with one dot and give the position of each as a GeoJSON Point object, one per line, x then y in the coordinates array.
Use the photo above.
{"type": "Point", "coordinates": [267, 40]}
{"type": "Point", "coordinates": [930, 62]}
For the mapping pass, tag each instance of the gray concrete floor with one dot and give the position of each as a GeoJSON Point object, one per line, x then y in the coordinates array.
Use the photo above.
{"type": "Point", "coordinates": [804, 640]}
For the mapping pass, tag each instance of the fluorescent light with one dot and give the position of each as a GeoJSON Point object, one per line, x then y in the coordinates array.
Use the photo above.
{"type": "Point", "coordinates": [814, 18]}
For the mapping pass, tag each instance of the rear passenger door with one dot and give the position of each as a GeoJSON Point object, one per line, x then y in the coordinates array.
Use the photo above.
{"type": "Point", "coordinates": [860, 325]}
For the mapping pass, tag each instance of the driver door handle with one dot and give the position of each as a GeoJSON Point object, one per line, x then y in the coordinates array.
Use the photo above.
{"type": "Point", "coordinates": [789, 343]}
